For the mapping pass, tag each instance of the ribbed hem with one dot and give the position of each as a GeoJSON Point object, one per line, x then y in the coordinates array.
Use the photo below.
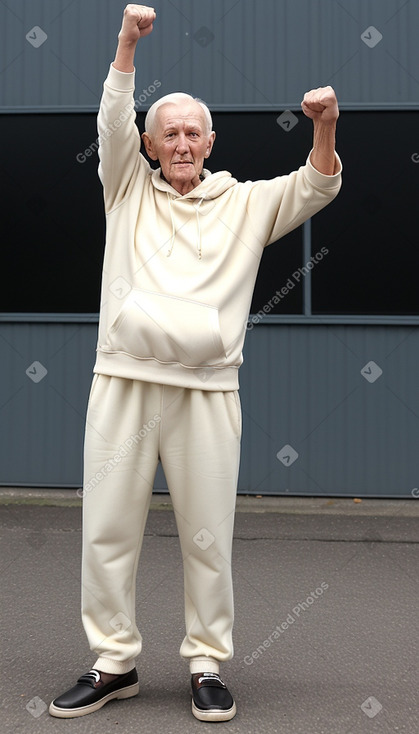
{"type": "Point", "coordinates": [120, 364]}
{"type": "Point", "coordinates": [120, 81]}
{"type": "Point", "coordinates": [321, 180]}
{"type": "Point", "coordinates": [115, 667]}
{"type": "Point", "coordinates": [204, 664]}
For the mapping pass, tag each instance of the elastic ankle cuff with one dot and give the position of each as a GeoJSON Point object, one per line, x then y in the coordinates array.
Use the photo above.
{"type": "Point", "coordinates": [115, 667]}
{"type": "Point", "coordinates": [204, 665]}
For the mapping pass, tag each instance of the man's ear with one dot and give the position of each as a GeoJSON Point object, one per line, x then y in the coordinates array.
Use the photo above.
{"type": "Point", "coordinates": [148, 144]}
{"type": "Point", "coordinates": [211, 140]}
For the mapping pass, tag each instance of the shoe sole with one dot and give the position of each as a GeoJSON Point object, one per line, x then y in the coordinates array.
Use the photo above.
{"type": "Point", "coordinates": [215, 714]}
{"type": "Point", "coordinates": [83, 710]}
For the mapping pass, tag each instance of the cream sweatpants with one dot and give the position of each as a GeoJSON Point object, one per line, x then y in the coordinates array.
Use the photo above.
{"type": "Point", "coordinates": [130, 425]}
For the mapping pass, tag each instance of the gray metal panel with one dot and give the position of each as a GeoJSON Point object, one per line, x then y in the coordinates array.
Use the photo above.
{"type": "Point", "coordinates": [235, 55]}
{"type": "Point", "coordinates": [42, 421]}
{"type": "Point", "coordinates": [301, 386]}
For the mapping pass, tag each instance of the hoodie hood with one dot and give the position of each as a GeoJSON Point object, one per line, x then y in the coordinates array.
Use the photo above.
{"type": "Point", "coordinates": [211, 187]}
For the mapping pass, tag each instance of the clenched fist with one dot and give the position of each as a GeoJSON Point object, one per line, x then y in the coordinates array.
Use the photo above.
{"type": "Point", "coordinates": [321, 105]}
{"type": "Point", "coordinates": [137, 22]}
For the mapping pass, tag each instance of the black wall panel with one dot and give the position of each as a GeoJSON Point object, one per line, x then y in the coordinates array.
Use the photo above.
{"type": "Point", "coordinates": [53, 225]}
{"type": "Point", "coordinates": [371, 230]}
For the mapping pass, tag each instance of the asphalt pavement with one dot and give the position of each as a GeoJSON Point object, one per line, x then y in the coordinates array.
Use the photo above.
{"type": "Point", "coordinates": [326, 627]}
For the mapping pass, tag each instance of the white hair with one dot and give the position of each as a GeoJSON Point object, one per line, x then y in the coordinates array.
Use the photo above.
{"type": "Point", "coordinates": [175, 98]}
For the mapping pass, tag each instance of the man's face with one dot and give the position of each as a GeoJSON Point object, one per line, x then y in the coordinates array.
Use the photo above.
{"type": "Point", "coordinates": [181, 143]}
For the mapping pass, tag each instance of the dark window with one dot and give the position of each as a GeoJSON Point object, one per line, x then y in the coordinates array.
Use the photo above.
{"type": "Point", "coordinates": [371, 229]}
{"type": "Point", "coordinates": [52, 218]}
{"type": "Point", "coordinates": [53, 223]}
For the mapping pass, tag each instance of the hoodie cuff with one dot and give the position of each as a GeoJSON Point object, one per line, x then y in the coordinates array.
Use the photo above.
{"type": "Point", "coordinates": [120, 81]}
{"type": "Point", "coordinates": [321, 180]}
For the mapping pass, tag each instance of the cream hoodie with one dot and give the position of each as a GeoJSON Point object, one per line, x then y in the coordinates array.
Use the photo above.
{"type": "Point", "coordinates": [179, 271]}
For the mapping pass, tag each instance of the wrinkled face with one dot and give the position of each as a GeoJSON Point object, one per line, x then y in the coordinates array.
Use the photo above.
{"type": "Point", "coordinates": [181, 143]}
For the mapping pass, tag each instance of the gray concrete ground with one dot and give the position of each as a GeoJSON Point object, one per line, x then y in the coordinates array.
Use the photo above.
{"type": "Point", "coordinates": [326, 595]}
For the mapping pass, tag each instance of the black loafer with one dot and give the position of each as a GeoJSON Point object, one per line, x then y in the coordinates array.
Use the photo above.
{"type": "Point", "coordinates": [90, 693]}
{"type": "Point", "coordinates": [211, 699]}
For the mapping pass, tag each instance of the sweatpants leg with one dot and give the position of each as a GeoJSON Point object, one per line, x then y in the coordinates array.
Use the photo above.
{"type": "Point", "coordinates": [200, 450]}
{"type": "Point", "coordinates": [120, 461]}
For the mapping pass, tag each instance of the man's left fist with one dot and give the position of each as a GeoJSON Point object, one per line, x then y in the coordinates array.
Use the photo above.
{"type": "Point", "coordinates": [321, 105]}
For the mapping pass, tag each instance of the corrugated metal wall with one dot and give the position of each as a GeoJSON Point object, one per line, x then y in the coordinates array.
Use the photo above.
{"type": "Point", "coordinates": [305, 389]}
{"type": "Point", "coordinates": [244, 55]}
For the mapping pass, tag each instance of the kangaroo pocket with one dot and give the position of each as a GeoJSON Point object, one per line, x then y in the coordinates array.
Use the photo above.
{"type": "Point", "coordinates": [167, 328]}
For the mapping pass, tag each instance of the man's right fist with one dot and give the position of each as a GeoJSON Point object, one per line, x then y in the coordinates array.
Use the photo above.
{"type": "Point", "coordinates": [137, 22]}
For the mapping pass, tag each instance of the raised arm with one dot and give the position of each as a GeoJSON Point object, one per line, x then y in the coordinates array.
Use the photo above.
{"type": "Point", "coordinates": [137, 22]}
{"type": "Point", "coordinates": [321, 106]}
{"type": "Point", "coordinates": [119, 138]}
{"type": "Point", "coordinates": [288, 201]}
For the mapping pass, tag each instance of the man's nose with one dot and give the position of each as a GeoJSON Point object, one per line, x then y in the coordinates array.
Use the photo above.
{"type": "Point", "coordinates": [182, 146]}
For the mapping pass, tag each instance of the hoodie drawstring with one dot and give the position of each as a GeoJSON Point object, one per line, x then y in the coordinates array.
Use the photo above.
{"type": "Point", "coordinates": [172, 239]}
{"type": "Point", "coordinates": [198, 223]}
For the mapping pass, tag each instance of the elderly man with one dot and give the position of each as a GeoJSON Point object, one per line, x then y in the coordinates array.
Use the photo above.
{"type": "Point", "coordinates": [182, 253]}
